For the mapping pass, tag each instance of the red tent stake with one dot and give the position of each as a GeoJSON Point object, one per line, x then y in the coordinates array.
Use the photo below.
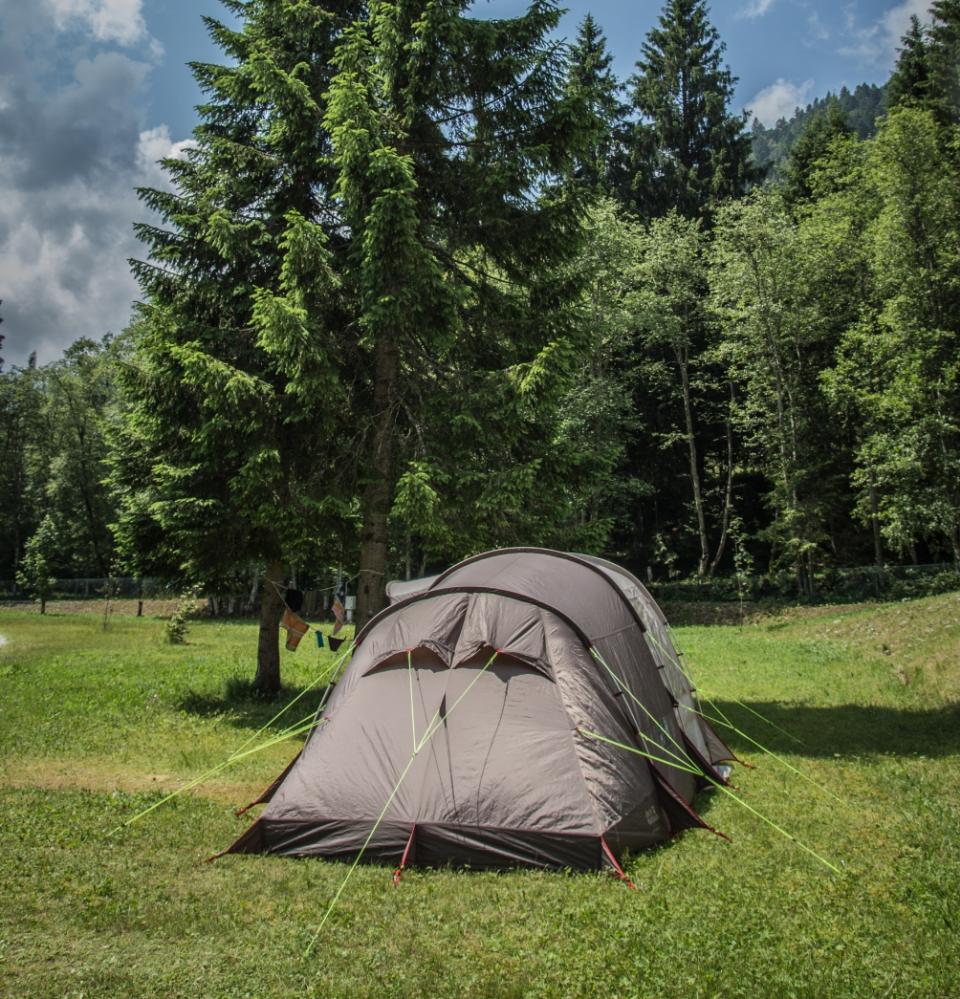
{"type": "Point", "coordinates": [398, 873]}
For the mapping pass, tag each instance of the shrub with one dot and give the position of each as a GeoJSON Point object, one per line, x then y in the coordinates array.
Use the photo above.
{"type": "Point", "coordinates": [188, 606]}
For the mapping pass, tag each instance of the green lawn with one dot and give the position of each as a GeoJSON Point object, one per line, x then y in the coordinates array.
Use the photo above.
{"type": "Point", "coordinates": [95, 724]}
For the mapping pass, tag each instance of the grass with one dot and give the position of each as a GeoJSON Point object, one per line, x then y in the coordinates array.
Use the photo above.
{"type": "Point", "coordinates": [96, 724]}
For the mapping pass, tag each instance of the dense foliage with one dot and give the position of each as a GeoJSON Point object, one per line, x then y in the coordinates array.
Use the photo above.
{"type": "Point", "coordinates": [429, 283]}
{"type": "Point", "coordinates": [861, 109]}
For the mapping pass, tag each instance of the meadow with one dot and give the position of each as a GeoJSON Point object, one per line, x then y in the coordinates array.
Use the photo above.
{"type": "Point", "coordinates": [96, 724]}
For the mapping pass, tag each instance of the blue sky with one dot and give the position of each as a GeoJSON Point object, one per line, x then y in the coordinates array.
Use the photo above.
{"type": "Point", "coordinates": [93, 92]}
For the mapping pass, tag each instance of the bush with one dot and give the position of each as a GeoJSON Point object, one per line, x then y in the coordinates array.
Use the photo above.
{"type": "Point", "coordinates": [188, 606]}
{"type": "Point", "coordinates": [830, 585]}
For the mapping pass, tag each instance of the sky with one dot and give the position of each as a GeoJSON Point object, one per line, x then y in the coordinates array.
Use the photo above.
{"type": "Point", "coordinates": [94, 92]}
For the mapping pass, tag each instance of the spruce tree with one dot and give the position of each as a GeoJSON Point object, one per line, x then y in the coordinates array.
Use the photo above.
{"type": "Point", "coordinates": [688, 151]}
{"type": "Point", "coordinates": [910, 81]}
{"type": "Point", "coordinates": [821, 131]}
{"type": "Point", "coordinates": [226, 456]}
{"type": "Point", "coordinates": [944, 49]}
{"type": "Point", "coordinates": [590, 75]}
{"type": "Point", "coordinates": [454, 139]}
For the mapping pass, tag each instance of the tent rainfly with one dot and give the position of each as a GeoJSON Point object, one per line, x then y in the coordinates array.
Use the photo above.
{"type": "Point", "coordinates": [463, 729]}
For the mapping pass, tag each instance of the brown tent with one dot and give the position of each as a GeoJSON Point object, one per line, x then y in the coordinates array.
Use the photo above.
{"type": "Point", "coordinates": [510, 658]}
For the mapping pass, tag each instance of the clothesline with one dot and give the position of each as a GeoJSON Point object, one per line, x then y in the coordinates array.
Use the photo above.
{"type": "Point", "coordinates": [325, 589]}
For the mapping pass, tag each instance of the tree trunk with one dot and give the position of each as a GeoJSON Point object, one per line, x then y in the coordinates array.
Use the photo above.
{"type": "Point", "coordinates": [694, 465]}
{"type": "Point", "coordinates": [378, 492]}
{"type": "Point", "coordinates": [875, 522]}
{"type": "Point", "coordinates": [728, 492]}
{"type": "Point", "coordinates": [267, 680]}
{"type": "Point", "coordinates": [43, 605]}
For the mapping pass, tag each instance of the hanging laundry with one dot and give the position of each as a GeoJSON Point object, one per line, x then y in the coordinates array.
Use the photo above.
{"type": "Point", "coordinates": [295, 628]}
{"type": "Point", "coordinates": [339, 607]}
{"type": "Point", "coordinates": [293, 599]}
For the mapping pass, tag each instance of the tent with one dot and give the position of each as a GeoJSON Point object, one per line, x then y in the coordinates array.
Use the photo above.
{"type": "Point", "coordinates": [477, 723]}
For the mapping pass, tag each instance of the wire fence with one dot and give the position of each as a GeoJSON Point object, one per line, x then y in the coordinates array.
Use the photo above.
{"type": "Point", "coordinates": [91, 588]}
{"type": "Point", "coordinates": [223, 602]}
{"type": "Point", "coordinates": [837, 584]}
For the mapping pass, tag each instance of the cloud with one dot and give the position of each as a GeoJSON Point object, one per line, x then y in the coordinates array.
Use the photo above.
{"type": "Point", "coordinates": [876, 44]}
{"type": "Point", "coordinates": [818, 30]}
{"type": "Point", "coordinates": [73, 145]}
{"type": "Point", "coordinates": [779, 100]}
{"type": "Point", "coordinates": [755, 8]}
{"type": "Point", "coordinates": [154, 145]}
{"type": "Point", "coordinates": [119, 21]}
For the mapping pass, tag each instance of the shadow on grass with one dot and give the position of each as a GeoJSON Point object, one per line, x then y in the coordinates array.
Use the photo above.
{"type": "Point", "coordinates": [241, 706]}
{"type": "Point", "coordinates": [841, 730]}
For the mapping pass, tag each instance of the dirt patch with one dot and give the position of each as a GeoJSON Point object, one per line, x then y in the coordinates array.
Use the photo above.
{"type": "Point", "coordinates": [104, 777]}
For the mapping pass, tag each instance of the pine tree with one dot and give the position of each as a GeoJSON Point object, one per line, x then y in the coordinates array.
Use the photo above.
{"type": "Point", "coordinates": [227, 455]}
{"type": "Point", "coordinates": [688, 152]}
{"type": "Point", "coordinates": [911, 75]}
{"type": "Point", "coordinates": [590, 75]}
{"type": "Point", "coordinates": [454, 139]}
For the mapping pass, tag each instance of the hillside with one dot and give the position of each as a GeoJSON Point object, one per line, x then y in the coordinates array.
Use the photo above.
{"type": "Point", "coordinates": [862, 107]}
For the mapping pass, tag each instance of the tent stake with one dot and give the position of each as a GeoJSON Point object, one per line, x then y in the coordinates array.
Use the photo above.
{"type": "Point", "coordinates": [398, 873]}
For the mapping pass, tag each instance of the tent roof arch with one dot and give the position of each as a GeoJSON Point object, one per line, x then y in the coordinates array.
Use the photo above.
{"type": "Point", "coordinates": [445, 580]}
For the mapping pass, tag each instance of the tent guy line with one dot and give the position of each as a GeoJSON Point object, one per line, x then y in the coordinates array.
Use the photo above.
{"type": "Point", "coordinates": [239, 753]}
{"type": "Point", "coordinates": [435, 724]}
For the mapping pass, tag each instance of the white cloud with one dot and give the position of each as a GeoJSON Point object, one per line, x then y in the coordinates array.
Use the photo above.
{"type": "Point", "coordinates": [71, 153]}
{"type": "Point", "coordinates": [896, 22]}
{"type": "Point", "coordinates": [779, 100]}
{"type": "Point", "coordinates": [64, 248]}
{"type": "Point", "coordinates": [118, 21]}
{"type": "Point", "coordinates": [756, 8]}
{"type": "Point", "coordinates": [818, 30]}
{"type": "Point", "coordinates": [155, 144]}
{"type": "Point", "coordinates": [876, 44]}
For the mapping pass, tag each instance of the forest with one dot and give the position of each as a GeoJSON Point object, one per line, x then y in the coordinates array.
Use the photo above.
{"type": "Point", "coordinates": [427, 284]}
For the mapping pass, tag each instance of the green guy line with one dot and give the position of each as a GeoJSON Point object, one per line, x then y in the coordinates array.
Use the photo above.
{"type": "Point", "coordinates": [299, 729]}
{"type": "Point", "coordinates": [634, 749]}
{"type": "Point", "coordinates": [730, 794]}
{"type": "Point", "coordinates": [433, 727]}
{"type": "Point", "coordinates": [762, 718]}
{"type": "Point", "coordinates": [685, 756]}
{"type": "Point", "coordinates": [239, 753]}
{"type": "Point", "coordinates": [770, 752]}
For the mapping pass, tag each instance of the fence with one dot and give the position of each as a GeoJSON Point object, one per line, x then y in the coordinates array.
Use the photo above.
{"type": "Point", "coordinates": [240, 603]}
{"type": "Point", "coordinates": [120, 587]}
{"type": "Point", "coordinates": [835, 584]}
